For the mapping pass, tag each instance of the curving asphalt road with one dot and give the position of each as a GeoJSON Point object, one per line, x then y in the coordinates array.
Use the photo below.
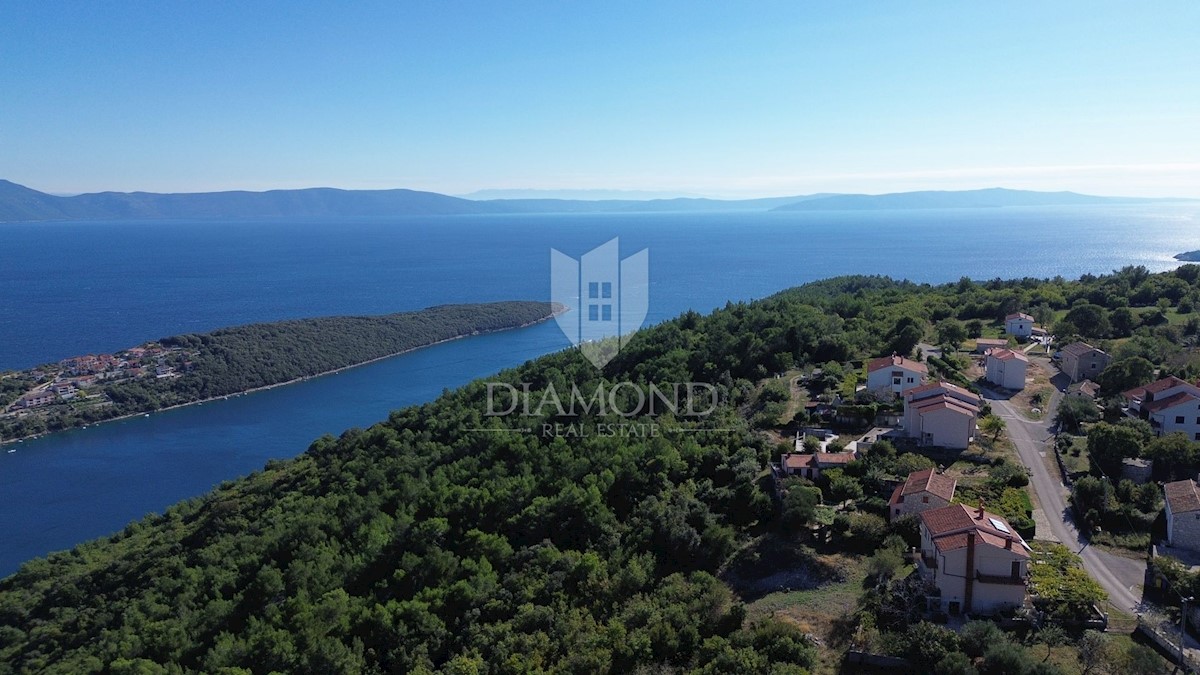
{"type": "Point", "coordinates": [1121, 577]}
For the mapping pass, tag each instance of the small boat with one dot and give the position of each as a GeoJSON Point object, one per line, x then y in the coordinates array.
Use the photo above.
{"type": "Point", "coordinates": [146, 415]}
{"type": "Point", "coordinates": [11, 450]}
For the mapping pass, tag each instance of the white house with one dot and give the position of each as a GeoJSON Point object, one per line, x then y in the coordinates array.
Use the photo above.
{"type": "Point", "coordinates": [895, 374]}
{"type": "Point", "coordinates": [1171, 405]}
{"type": "Point", "coordinates": [1081, 361]}
{"type": "Point", "coordinates": [35, 399]}
{"type": "Point", "coordinates": [1183, 514]}
{"type": "Point", "coordinates": [975, 558]}
{"type": "Point", "coordinates": [1006, 368]}
{"type": "Point", "coordinates": [923, 490]}
{"type": "Point", "coordinates": [941, 414]}
{"type": "Point", "coordinates": [1018, 325]}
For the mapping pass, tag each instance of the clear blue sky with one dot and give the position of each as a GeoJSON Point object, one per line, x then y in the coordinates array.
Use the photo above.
{"type": "Point", "coordinates": [737, 99]}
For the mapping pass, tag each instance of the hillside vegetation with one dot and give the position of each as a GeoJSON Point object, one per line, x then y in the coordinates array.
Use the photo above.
{"type": "Point", "coordinates": [233, 360]}
{"type": "Point", "coordinates": [445, 540]}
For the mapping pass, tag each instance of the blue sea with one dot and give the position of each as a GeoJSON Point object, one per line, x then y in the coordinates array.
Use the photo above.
{"type": "Point", "coordinates": [79, 287]}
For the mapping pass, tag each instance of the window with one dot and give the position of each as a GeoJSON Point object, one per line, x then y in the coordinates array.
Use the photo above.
{"type": "Point", "coordinates": [910, 380]}
{"type": "Point", "coordinates": [1016, 568]}
{"type": "Point", "coordinates": [1179, 419]}
{"type": "Point", "coordinates": [925, 499]}
{"type": "Point", "coordinates": [1198, 435]}
{"type": "Point", "coordinates": [895, 380]}
{"type": "Point", "coordinates": [600, 290]}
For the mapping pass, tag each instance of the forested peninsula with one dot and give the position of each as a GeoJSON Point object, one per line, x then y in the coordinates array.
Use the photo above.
{"type": "Point", "coordinates": [448, 540]}
{"type": "Point", "coordinates": [186, 369]}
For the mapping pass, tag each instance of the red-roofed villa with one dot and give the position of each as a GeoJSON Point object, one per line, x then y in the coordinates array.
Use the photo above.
{"type": "Point", "coordinates": [976, 559]}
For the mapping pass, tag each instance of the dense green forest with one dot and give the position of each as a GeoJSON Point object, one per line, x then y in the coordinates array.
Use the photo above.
{"type": "Point", "coordinates": [445, 540]}
{"type": "Point", "coordinates": [233, 360]}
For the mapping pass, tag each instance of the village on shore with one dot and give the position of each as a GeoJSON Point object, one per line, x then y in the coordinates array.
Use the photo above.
{"type": "Point", "coordinates": [80, 382]}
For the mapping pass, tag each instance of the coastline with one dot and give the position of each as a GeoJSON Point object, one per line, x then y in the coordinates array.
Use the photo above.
{"type": "Point", "coordinates": [553, 314]}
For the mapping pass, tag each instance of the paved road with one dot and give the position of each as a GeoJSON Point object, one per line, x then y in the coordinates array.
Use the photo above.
{"type": "Point", "coordinates": [1121, 577]}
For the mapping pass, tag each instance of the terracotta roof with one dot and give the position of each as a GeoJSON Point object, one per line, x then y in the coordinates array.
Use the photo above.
{"type": "Point", "coordinates": [1155, 387]}
{"type": "Point", "coordinates": [1018, 315]}
{"type": "Point", "coordinates": [895, 494]}
{"type": "Point", "coordinates": [1007, 355]}
{"type": "Point", "coordinates": [804, 460]}
{"type": "Point", "coordinates": [1079, 349]}
{"type": "Point", "coordinates": [1170, 401]}
{"type": "Point", "coordinates": [928, 480]}
{"type": "Point", "coordinates": [894, 361]}
{"type": "Point", "coordinates": [1168, 382]}
{"type": "Point", "coordinates": [949, 525]}
{"type": "Point", "coordinates": [941, 392]}
{"type": "Point", "coordinates": [951, 542]}
{"type": "Point", "coordinates": [1181, 496]}
{"type": "Point", "coordinates": [931, 389]}
{"type": "Point", "coordinates": [945, 402]}
{"type": "Point", "coordinates": [947, 519]}
{"type": "Point", "coordinates": [1135, 393]}
{"type": "Point", "coordinates": [799, 461]}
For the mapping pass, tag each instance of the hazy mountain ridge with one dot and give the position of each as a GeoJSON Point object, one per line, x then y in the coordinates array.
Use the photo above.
{"type": "Point", "coordinates": [961, 199]}
{"type": "Point", "coordinates": [19, 203]}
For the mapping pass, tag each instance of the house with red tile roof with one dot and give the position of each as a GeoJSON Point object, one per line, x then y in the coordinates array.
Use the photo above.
{"type": "Point", "coordinates": [1170, 405]}
{"type": "Point", "coordinates": [895, 374]}
{"type": "Point", "coordinates": [810, 465]}
{"type": "Point", "coordinates": [923, 490]}
{"type": "Point", "coordinates": [1006, 368]}
{"type": "Point", "coordinates": [1018, 325]}
{"type": "Point", "coordinates": [942, 414]}
{"type": "Point", "coordinates": [1183, 514]}
{"type": "Point", "coordinates": [975, 558]}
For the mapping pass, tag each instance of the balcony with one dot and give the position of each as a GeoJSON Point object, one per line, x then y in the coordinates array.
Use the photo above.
{"type": "Point", "coordinates": [927, 565]}
{"type": "Point", "coordinates": [1003, 580]}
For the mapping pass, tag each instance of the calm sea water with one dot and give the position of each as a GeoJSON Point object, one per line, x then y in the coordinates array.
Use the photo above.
{"type": "Point", "coordinates": [72, 288]}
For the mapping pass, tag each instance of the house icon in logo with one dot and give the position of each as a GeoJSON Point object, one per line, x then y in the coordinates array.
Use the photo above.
{"type": "Point", "coordinates": [606, 298]}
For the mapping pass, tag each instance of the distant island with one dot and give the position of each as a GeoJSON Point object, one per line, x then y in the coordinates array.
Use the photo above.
{"type": "Point", "coordinates": [1189, 256]}
{"type": "Point", "coordinates": [22, 204]}
{"type": "Point", "coordinates": [191, 368]}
